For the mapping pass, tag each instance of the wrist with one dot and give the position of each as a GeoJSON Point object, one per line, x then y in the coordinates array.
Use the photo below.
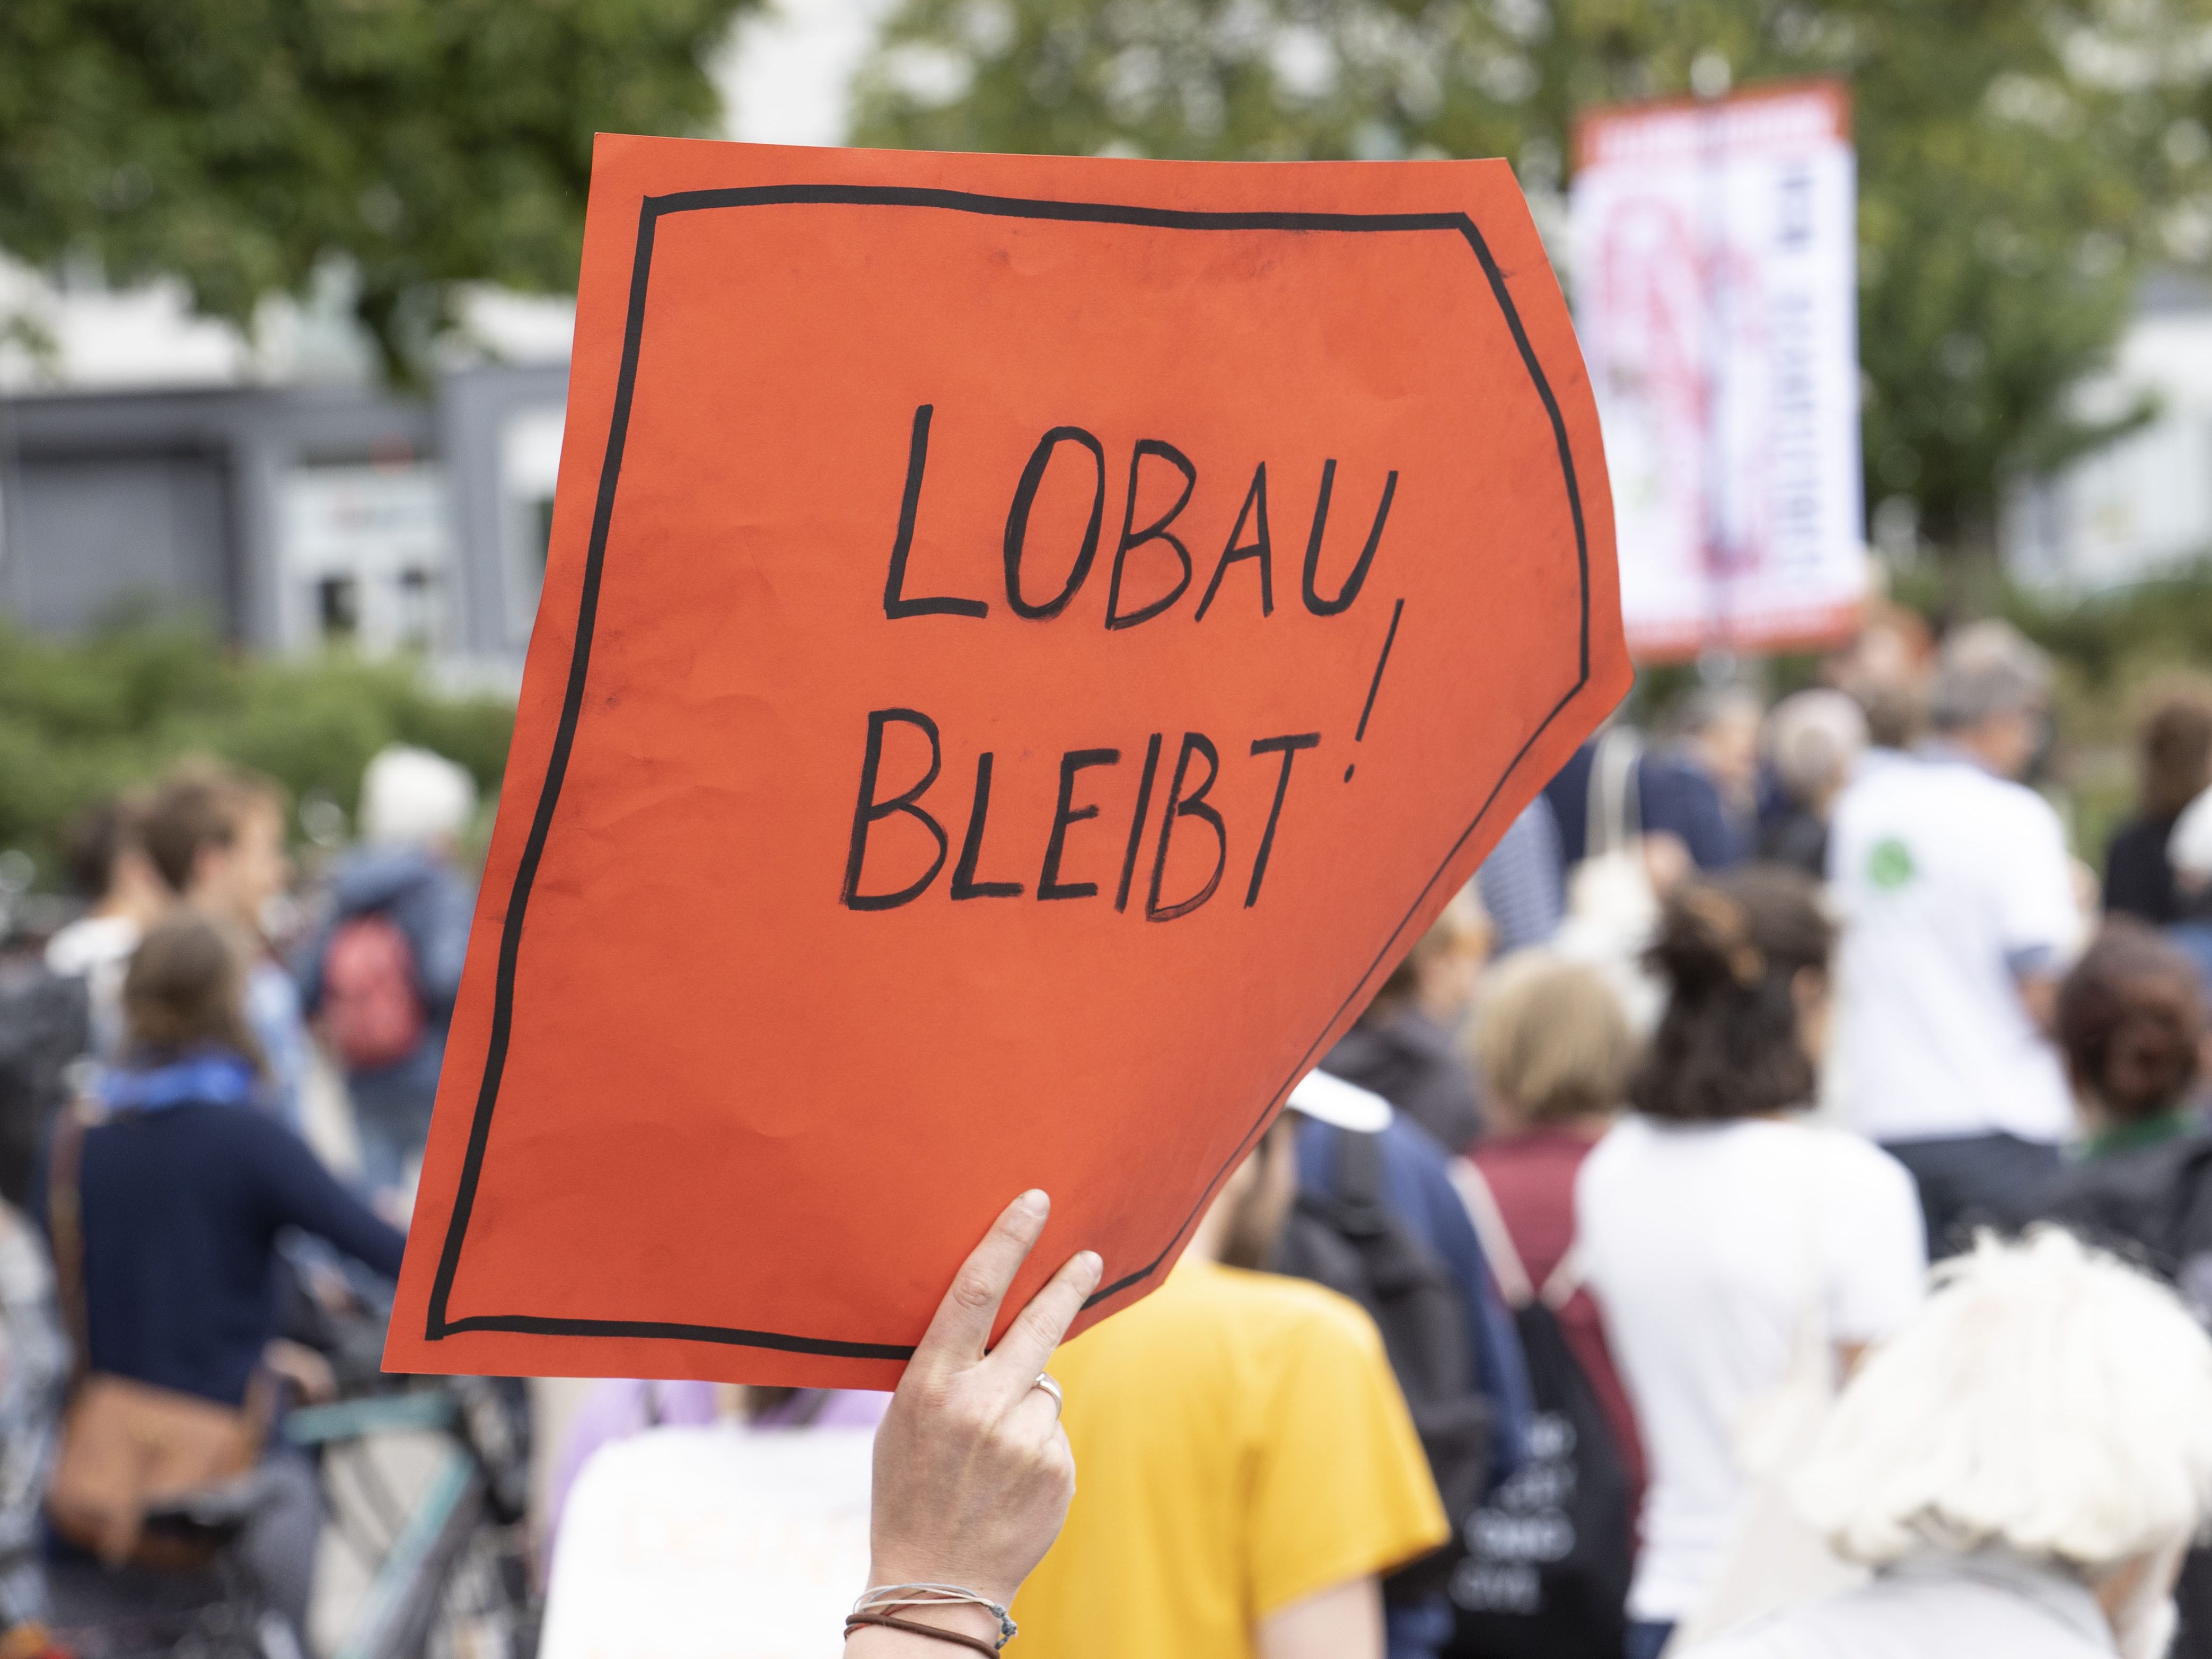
{"type": "Point", "coordinates": [883, 1571]}
{"type": "Point", "coordinates": [954, 1619]}
{"type": "Point", "coordinates": [961, 1618]}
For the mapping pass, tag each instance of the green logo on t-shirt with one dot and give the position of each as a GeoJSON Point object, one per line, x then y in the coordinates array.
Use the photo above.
{"type": "Point", "coordinates": [1889, 867]}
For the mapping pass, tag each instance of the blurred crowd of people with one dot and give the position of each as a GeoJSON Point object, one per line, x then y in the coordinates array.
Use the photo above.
{"type": "Point", "coordinates": [1781, 1006]}
{"type": "Point", "coordinates": [217, 1084]}
{"type": "Point", "coordinates": [1762, 1216]}
{"type": "Point", "coordinates": [1768, 1214]}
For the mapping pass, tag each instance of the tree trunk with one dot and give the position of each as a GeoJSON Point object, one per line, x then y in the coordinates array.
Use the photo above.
{"type": "Point", "coordinates": [1973, 574]}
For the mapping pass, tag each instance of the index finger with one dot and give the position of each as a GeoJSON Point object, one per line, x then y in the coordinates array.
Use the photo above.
{"type": "Point", "coordinates": [1036, 1330]}
{"type": "Point", "coordinates": [961, 1329]}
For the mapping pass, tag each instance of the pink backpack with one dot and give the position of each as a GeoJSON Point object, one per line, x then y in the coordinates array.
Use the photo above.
{"type": "Point", "coordinates": [371, 1009]}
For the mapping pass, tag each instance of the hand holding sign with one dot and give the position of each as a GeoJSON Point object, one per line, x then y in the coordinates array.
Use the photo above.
{"type": "Point", "coordinates": [1026, 645]}
{"type": "Point", "coordinates": [973, 1472]}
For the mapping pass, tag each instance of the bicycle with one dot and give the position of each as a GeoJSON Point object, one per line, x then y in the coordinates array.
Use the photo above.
{"type": "Point", "coordinates": [449, 1567]}
{"type": "Point", "coordinates": [451, 1575]}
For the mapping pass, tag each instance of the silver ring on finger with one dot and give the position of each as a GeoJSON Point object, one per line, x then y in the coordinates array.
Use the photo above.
{"type": "Point", "coordinates": [1051, 1384]}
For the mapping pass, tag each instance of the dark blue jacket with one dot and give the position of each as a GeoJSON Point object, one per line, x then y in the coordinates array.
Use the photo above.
{"type": "Point", "coordinates": [182, 1206]}
{"type": "Point", "coordinates": [1679, 798]}
{"type": "Point", "coordinates": [1672, 795]}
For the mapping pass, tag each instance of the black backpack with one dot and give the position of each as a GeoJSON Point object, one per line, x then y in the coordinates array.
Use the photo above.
{"type": "Point", "coordinates": [1346, 1239]}
{"type": "Point", "coordinates": [45, 1027]}
{"type": "Point", "coordinates": [1548, 1553]}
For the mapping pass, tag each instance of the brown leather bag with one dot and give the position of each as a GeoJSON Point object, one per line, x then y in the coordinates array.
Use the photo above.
{"type": "Point", "coordinates": [128, 1446]}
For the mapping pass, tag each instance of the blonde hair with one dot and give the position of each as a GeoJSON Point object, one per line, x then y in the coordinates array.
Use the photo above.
{"type": "Point", "coordinates": [2046, 1398]}
{"type": "Point", "coordinates": [1551, 1038]}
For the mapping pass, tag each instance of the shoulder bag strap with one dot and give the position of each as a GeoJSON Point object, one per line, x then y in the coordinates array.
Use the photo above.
{"type": "Point", "coordinates": [65, 1220]}
{"type": "Point", "coordinates": [1567, 1279]}
{"type": "Point", "coordinates": [1599, 816]}
{"type": "Point", "coordinates": [1614, 817]}
{"type": "Point", "coordinates": [1505, 1264]}
{"type": "Point", "coordinates": [1359, 1168]}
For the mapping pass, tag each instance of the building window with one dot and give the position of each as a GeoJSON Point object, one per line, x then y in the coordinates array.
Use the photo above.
{"type": "Point", "coordinates": [417, 615]}
{"type": "Point", "coordinates": [367, 549]}
{"type": "Point", "coordinates": [337, 607]}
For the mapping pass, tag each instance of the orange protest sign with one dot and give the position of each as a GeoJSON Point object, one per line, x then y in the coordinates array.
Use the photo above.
{"type": "Point", "coordinates": [1027, 645]}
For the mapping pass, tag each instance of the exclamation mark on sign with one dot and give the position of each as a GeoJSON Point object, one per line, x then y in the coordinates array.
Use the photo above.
{"type": "Point", "coordinates": [1376, 685]}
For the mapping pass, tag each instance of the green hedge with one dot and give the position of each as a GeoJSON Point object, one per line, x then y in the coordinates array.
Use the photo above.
{"type": "Point", "coordinates": [2110, 643]}
{"type": "Point", "coordinates": [79, 719]}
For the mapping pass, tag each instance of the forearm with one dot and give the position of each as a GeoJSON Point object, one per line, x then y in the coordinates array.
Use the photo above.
{"type": "Point", "coordinates": [973, 1473]}
{"type": "Point", "coordinates": [877, 1643]}
{"type": "Point", "coordinates": [304, 1195]}
{"type": "Point", "coordinates": [1342, 1622]}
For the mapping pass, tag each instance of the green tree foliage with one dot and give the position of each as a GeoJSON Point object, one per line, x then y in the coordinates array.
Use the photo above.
{"type": "Point", "coordinates": [239, 144]}
{"type": "Point", "coordinates": [81, 720]}
{"type": "Point", "coordinates": [2019, 159]}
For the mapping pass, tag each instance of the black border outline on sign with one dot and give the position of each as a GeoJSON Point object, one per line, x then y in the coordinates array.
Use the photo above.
{"type": "Point", "coordinates": [437, 1327]}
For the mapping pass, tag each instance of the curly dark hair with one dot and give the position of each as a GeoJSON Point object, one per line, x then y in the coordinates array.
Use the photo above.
{"type": "Point", "coordinates": [1730, 948]}
{"type": "Point", "coordinates": [2173, 742]}
{"type": "Point", "coordinates": [2131, 1019]}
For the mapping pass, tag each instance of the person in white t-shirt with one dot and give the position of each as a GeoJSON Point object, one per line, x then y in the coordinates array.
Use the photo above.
{"type": "Point", "coordinates": [1713, 1227]}
{"type": "Point", "coordinates": [741, 1540]}
{"type": "Point", "coordinates": [107, 864]}
{"type": "Point", "coordinates": [1959, 917]}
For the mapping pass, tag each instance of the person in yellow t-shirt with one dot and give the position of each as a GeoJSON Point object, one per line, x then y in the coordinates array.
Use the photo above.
{"type": "Point", "coordinates": [1247, 1468]}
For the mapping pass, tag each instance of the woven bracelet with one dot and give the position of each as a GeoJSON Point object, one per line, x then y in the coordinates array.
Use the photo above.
{"type": "Point", "coordinates": [904, 1598]}
{"type": "Point", "coordinates": [890, 1621]}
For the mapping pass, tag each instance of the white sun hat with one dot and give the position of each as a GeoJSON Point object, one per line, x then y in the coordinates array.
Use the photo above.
{"type": "Point", "coordinates": [1343, 1105]}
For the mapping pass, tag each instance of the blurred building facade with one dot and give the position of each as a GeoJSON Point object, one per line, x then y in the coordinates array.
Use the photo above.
{"type": "Point", "coordinates": [158, 461]}
{"type": "Point", "coordinates": [287, 517]}
{"type": "Point", "coordinates": [2141, 507]}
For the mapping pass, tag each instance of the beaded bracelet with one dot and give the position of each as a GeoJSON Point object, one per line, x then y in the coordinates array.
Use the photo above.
{"type": "Point", "coordinates": [891, 1599]}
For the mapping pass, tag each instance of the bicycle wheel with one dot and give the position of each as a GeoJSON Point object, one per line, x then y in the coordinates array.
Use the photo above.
{"type": "Point", "coordinates": [486, 1607]}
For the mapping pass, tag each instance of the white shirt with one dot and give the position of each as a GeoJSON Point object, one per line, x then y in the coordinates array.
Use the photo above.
{"type": "Point", "coordinates": [1705, 1245]}
{"type": "Point", "coordinates": [100, 948]}
{"type": "Point", "coordinates": [724, 1542]}
{"type": "Point", "coordinates": [1950, 882]}
{"type": "Point", "coordinates": [1936, 1606]}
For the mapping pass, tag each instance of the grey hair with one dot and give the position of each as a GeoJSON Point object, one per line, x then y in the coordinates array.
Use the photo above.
{"type": "Point", "coordinates": [2046, 1398]}
{"type": "Point", "coordinates": [1987, 669]}
{"type": "Point", "coordinates": [410, 797]}
{"type": "Point", "coordinates": [1813, 738]}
